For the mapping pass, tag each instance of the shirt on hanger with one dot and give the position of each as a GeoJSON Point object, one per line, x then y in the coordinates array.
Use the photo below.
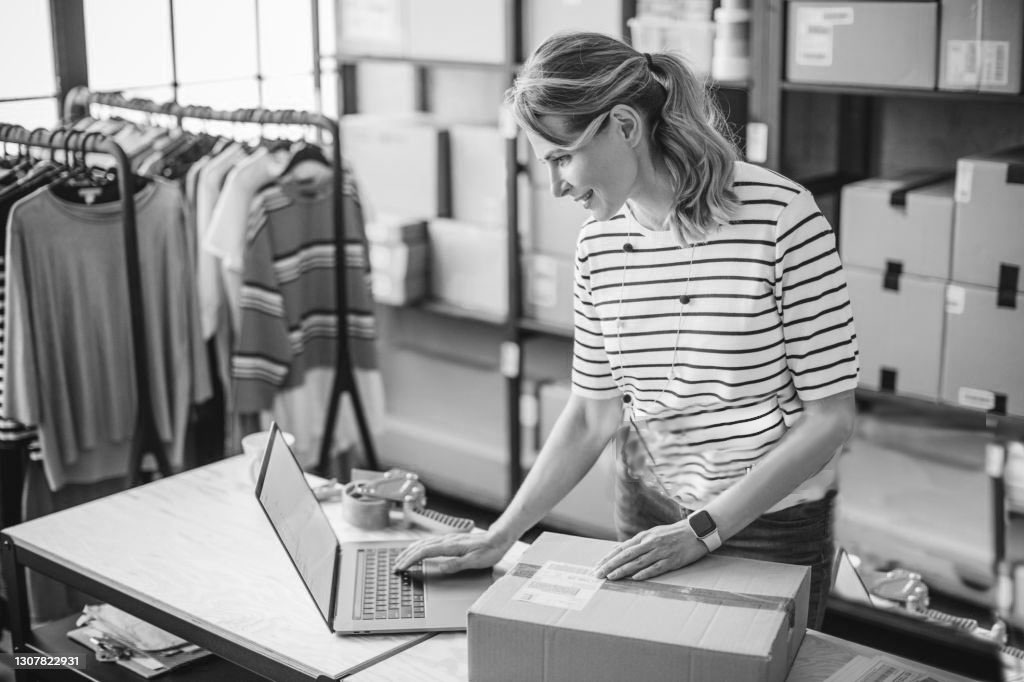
{"type": "Point", "coordinates": [288, 307]}
{"type": "Point", "coordinates": [69, 347]}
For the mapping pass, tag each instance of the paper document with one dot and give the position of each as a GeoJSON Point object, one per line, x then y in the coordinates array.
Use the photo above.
{"type": "Point", "coordinates": [565, 586]}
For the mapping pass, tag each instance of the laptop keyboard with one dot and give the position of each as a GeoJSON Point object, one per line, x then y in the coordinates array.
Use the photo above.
{"type": "Point", "coordinates": [387, 595]}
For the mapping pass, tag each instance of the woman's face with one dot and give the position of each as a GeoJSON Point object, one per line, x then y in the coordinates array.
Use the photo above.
{"type": "Point", "coordinates": [600, 175]}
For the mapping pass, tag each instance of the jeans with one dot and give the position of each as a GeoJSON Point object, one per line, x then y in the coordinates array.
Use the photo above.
{"type": "Point", "coordinates": [801, 534]}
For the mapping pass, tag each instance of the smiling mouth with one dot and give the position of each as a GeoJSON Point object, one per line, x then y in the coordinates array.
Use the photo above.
{"type": "Point", "coordinates": [585, 198]}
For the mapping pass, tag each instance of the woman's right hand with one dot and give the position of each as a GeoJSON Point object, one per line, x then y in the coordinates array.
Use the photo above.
{"type": "Point", "coordinates": [458, 551]}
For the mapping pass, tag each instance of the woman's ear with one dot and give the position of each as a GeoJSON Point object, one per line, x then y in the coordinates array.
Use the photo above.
{"type": "Point", "coordinates": [628, 123]}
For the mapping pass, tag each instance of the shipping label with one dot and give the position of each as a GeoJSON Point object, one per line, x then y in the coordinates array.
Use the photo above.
{"type": "Point", "coordinates": [564, 586]}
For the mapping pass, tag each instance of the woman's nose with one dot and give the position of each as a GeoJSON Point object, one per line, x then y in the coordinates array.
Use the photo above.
{"type": "Point", "coordinates": [558, 185]}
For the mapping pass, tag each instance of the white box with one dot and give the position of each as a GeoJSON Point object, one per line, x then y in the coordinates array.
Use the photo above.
{"type": "Point", "coordinates": [542, 18]}
{"type": "Point", "coordinates": [469, 266]}
{"type": "Point", "coordinates": [899, 331]}
{"type": "Point", "coordinates": [457, 30]}
{"type": "Point", "coordinates": [400, 165]}
{"type": "Point", "coordinates": [478, 175]}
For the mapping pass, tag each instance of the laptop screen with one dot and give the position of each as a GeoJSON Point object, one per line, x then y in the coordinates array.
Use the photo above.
{"type": "Point", "coordinates": [300, 523]}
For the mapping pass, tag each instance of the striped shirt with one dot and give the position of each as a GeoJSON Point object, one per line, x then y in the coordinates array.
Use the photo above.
{"type": "Point", "coordinates": [767, 326]}
{"type": "Point", "coordinates": [289, 316]}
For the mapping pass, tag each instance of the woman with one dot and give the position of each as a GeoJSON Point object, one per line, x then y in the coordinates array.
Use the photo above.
{"type": "Point", "coordinates": [713, 332]}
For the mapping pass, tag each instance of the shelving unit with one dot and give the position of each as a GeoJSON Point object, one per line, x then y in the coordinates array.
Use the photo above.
{"type": "Point", "coordinates": [518, 334]}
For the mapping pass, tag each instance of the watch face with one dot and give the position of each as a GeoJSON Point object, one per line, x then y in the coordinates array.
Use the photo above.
{"type": "Point", "coordinates": [701, 523]}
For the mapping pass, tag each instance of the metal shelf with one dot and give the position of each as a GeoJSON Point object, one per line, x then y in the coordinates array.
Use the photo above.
{"type": "Point", "coordinates": [951, 415]}
{"type": "Point", "coordinates": [873, 91]}
{"type": "Point", "coordinates": [355, 58]}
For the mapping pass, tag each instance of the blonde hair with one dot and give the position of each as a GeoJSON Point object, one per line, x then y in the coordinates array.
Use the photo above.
{"type": "Point", "coordinates": [581, 76]}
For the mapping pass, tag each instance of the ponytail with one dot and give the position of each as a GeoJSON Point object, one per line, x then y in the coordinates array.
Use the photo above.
{"type": "Point", "coordinates": [581, 76]}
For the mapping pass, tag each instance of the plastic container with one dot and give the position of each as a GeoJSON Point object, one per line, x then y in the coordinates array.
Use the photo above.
{"type": "Point", "coordinates": [731, 60]}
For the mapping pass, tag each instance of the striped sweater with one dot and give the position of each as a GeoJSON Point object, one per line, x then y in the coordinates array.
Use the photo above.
{"type": "Point", "coordinates": [289, 318]}
{"type": "Point", "coordinates": [767, 325]}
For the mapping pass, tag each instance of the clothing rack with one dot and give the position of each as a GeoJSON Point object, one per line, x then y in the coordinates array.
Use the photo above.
{"type": "Point", "coordinates": [76, 106]}
{"type": "Point", "coordinates": [146, 437]}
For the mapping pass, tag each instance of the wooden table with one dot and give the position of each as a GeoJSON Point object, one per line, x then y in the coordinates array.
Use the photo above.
{"type": "Point", "coordinates": [443, 658]}
{"type": "Point", "coordinates": [195, 555]}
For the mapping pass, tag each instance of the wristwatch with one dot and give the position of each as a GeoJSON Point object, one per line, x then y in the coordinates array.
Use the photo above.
{"type": "Point", "coordinates": [704, 528]}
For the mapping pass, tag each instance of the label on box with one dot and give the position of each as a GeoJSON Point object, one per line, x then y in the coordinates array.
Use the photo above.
{"type": "Point", "coordinates": [995, 63]}
{"type": "Point", "coordinates": [377, 21]}
{"type": "Point", "coordinates": [877, 669]}
{"type": "Point", "coordinates": [564, 586]}
{"type": "Point", "coordinates": [977, 63]}
{"type": "Point", "coordinates": [977, 398]}
{"type": "Point", "coordinates": [964, 182]}
{"type": "Point", "coordinates": [956, 300]}
{"type": "Point", "coordinates": [814, 33]}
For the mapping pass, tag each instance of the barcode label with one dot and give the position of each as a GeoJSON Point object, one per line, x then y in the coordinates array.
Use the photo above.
{"type": "Point", "coordinates": [878, 669]}
{"type": "Point", "coordinates": [564, 586]}
{"type": "Point", "coordinates": [995, 63]}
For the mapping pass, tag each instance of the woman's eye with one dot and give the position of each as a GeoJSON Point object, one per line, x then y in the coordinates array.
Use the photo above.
{"type": "Point", "coordinates": [562, 161]}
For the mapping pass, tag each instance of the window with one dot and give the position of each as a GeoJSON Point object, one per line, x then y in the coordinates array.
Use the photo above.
{"type": "Point", "coordinates": [27, 92]}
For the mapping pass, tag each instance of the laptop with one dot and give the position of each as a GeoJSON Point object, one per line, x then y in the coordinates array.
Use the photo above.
{"type": "Point", "coordinates": [352, 583]}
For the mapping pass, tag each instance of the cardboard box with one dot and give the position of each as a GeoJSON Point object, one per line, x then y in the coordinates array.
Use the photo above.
{"type": "Point", "coordinates": [906, 220]}
{"type": "Point", "coordinates": [372, 27]}
{"type": "Point", "coordinates": [542, 18]}
{"type": "Point", "coordinates": [875, 43]}
{"type": "Point", "coordinates": [385, 88]}
{"type": "Point", "coordinates": [717, 619]}
{"type": "Point", "coordinates": [899, 320]}
{"type": "Point", "coordinates": [400, 164]}
{"type": "Point", "coordinates": [460, 95]}
{"type": "Point", "coordinates": [406, 290]}
{"type": "Point", "coordinates": [478, 175]}
{"type": "Point", "coordinates": [479, 38]}
{"type": "Point", "coordinates": [548, 289]}
{"type": "Point", "coordinates": [589, 508]}
{"type": "Point", "coordinates": [981, 366]}
{"type": "Point", "coordinates": [469, 266]}
{"type": "Point", "coordinates": [988, 242]}
{"type": "Point", "coordinates": [980, 45]}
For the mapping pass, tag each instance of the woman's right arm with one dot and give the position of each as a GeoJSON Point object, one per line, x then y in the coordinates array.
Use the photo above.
{"type": "Point", "coordinates": [576, 441]}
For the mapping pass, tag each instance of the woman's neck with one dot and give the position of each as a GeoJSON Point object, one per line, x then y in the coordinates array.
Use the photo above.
{"type": "Point", "coordinates": [653, 199]}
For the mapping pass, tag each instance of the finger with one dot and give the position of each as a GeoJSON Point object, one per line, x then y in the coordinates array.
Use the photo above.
{"type": "Point", "coordinates": [654, 570]}
{"type": "Point", "coordinates": [421, 550]}
{"type": "Point", "coordinates": [622, 558]}
{"type": "Point", "coordinates": [631, 568]}
{"type": "Point", "coordinates": [621, 547]}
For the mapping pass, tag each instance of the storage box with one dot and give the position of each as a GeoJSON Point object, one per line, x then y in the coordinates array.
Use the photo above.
{"type": "Point", "coordinates": [478, 175]}
{"type": "Point", "coordinates": [399, 272]}
{"type": "Point", "coordinates": [906, 220]}
{"type": "Point", "coordinates": [691, 39]}
{"type": "Point", "coordinates": [981, 365]}
{"type": "Point", "coordinates": [548, 289]}
{"type": "Point", "coordinates": [988, 242]}
{"type": "Point", "coordinates": [717, 619]}
{"type": "Point", "coordinates": [457, 30]}
{"type": "Point", "coordinates": [889, 44]}
{"type": "Point", "coordinates": [372, 27]}
{"type": "Point", "coordinates": [400, 164]}
{"type": "Point", "coordinates": [542, 18]}
{"type": "Point", "coordinates": [387, 88]}
{"type": "Point", "coordinates": [460, 95]}
{"type": "Point", "coordinates": [980, 45]}
{"type": "Point", "coordinates": [469, 266]}
{"type": "Point", "coordinates": [899, 321]}
{"type": "Point", "coordinates": [589, 508]}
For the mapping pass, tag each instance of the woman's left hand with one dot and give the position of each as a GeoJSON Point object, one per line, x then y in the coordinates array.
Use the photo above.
{"type": "Point", "coordinates": [652, 552]}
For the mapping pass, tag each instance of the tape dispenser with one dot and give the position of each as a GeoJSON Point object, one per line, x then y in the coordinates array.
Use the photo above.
{"type": "Point", "coordinates": [367, 502]}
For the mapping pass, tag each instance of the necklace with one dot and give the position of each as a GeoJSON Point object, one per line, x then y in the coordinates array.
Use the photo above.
{"type": "Point", "coordinates": [684, 300]}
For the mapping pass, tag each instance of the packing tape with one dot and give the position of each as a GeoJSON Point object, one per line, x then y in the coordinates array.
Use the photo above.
{"type": "Point", "coordinates": [681, 592]}
{"type": "Point", "coordinates": [363, 511]}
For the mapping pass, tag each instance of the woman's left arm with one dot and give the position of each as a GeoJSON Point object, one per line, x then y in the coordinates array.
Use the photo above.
{"type": "Point", "coordinates": [805, 449]}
